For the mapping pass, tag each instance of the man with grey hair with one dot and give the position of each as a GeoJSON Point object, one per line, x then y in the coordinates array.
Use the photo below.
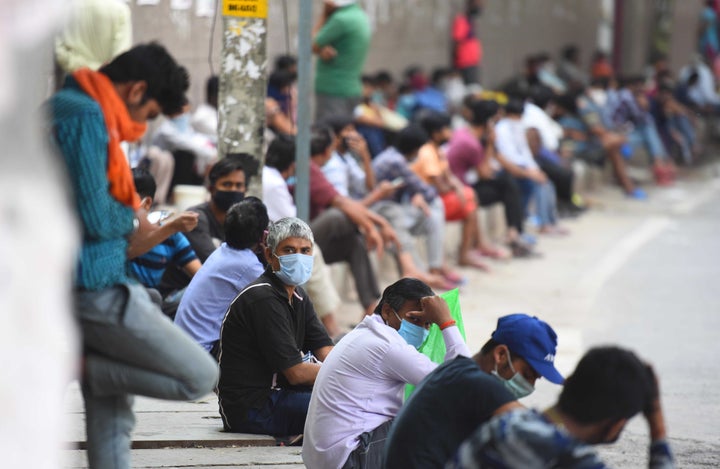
{"type": "Point", "coordinates": [271, 342]}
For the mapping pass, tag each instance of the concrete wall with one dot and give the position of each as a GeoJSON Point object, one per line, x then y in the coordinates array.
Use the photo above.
{"type": "Point", "coordinates": [417, 31]}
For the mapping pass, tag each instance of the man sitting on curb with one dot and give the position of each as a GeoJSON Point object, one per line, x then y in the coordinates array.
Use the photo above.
{"type": "Point", "coordinates": [463, 391]}
{"type": "Point", "coordinates": [609, 386]}
{"type": "Point", "coordinates": [359, 388]}
{"type": "Point", "coordinates": [268, 339]}
{"type": "Point", "coordinates": [225, 273]}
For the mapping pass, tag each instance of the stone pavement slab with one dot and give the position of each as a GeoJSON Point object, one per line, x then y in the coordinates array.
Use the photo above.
{"type": "Point", "coordinates": [217, 458]}
{"type": "Point", "coordinates": [166, 424]}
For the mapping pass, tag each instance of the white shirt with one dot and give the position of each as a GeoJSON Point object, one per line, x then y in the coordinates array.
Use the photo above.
{"type": "Point", "coordinates": [177, 134]}
{"type": "Point", "coordinates": [276, 195]}
{"type": "Point", "coordinates": [550, 131]}
{"type": "Point", "coordinates": [205, 121]}
{"type": "Point", "coordinates": [511, 142]}
{"type": "Point", "coordinates": [346, 175]}
{"type": "Point", "coordinates": [360, 386]}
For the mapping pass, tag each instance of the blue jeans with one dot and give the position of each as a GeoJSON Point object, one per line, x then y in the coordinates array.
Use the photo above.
{"type": "Point", "coordinates": [131, 347]}
{"type": "Point", "coordinates": [283, 414]}
{"type": "Point", "coordinates": [647, 136]}
{"type": "Point", "coordinates": [544, 198]}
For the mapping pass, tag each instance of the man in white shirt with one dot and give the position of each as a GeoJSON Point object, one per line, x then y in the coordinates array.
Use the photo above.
{"type": "Point", "coordinates": [205, 118]}
{"type": "Point", "coordinates": [511, 141]}
{"type": "Point", "coordinates": [359, 388]}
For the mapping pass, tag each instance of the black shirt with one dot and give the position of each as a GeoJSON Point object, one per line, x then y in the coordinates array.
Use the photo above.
{"type": "Point", "coordinates": [445, 409]}
{"type": "Point", "coordinates": [262, 335]}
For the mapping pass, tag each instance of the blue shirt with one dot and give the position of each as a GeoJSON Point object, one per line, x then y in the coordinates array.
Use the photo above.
{"type": "Point", "coordinates": [203, 306]}
{"type": "Point", "coordinates": [150, 267]}
{"type": "Point", "coordinates": [525, 438]}
{"type": "Point", "coordinates": [80, 135]}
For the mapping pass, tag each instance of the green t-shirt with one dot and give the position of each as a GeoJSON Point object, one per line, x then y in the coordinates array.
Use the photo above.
{"type": "Point", "coordinates": [348, 31]}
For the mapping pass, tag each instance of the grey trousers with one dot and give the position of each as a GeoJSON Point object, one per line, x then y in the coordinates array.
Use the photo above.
{"type": "Point", "coordinates": [131, 347]}
{"type": "Point", "coordinates": [340, 241]}
{"type": "Point", "coordinates": [371, 452]}
{"type": "Point", "coordinates": [327, 105]}
{"type": "Point", "coordinates": [410, 221]}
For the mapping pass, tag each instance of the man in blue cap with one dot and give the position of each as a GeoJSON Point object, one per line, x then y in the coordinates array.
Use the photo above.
{"type": "Point", "coordinates": [452, 401]}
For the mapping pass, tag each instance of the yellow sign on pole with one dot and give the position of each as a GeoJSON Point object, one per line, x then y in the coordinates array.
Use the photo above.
{"type": "Point", "coordinates": [245, 8]}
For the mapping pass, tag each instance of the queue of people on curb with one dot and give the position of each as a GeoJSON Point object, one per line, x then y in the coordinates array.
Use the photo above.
{"type": "Point", "coordinates": [234, 295]}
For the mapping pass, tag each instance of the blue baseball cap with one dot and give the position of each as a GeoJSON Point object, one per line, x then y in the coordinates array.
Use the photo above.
{"type": "Point", "coordinates": [533, 340]}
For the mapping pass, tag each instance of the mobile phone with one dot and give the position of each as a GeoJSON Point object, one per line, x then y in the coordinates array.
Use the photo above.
{"type": "Point", "coordinates": [397, 182]}
{"type": "Point", "coordinates": [158, 216]}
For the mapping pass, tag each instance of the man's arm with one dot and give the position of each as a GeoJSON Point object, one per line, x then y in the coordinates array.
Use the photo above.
{"type": "Point", "coordinates": [322, 353]}
{"type": "Point", "coordinates": [359, 215]}
{"type": "Point", "coordinates": [192, 267]}
{"type": "Point", "coordinates": [302, 374]}
{"type": "Point", "coordinates": [201, 239]}
{"type": "Point", "coordinates": [148, 235]}
{"type": "Point", "coordinates": [660, 454]}
{"type": "Point", "coordinates": [324, 33]}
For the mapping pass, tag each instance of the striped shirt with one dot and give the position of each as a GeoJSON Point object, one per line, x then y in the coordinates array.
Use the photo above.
{"type": "Point", "coordinates": [150, 267]}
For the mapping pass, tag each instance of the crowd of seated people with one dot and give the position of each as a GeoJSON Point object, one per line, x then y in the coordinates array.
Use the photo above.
{"type": "Point", "coordinates": [410, 159]}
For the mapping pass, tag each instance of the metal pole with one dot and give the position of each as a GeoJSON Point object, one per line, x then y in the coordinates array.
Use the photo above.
{"type": "Point", "coordinates": [302, 152]}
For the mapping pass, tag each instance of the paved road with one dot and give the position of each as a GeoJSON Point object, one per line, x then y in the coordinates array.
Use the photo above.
{"type": "Point", "coordinates": [640, 274]}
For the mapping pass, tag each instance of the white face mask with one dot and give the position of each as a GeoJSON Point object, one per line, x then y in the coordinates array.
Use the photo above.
{"type": "Point", "coordinates": [517, 385]}
{"type": "Point", "coordinates": [599, 96]}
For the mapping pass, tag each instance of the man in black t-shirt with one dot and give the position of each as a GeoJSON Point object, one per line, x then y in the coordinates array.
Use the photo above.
{"type": "Point", "coordinates": [452, 401]}
{"type": "Point", "coordinates": [271, 341]}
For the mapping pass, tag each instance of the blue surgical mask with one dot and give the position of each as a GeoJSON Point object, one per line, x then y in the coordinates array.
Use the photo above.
{"type": "Point", "coordinates": [295, 269]}
{"type": "Point", "coordinates": [291, 181]}
{"type": "Point", "coordinates": [412, 333]}
{"type": "Point", "coordinates": [517, 385]}
{"type": "Point", "coordinates": [182, 123]}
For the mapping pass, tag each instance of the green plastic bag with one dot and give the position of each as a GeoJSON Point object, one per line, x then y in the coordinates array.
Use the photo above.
{"type": "Point", "coordinates": [434, 345]}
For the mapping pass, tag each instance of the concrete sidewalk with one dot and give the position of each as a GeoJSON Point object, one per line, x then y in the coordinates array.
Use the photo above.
{"type": "Point", "coordinates": [562, 287]}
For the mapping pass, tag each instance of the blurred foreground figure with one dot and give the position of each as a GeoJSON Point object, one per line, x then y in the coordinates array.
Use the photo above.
{"type": "Point", "coordinates": [37, 339]}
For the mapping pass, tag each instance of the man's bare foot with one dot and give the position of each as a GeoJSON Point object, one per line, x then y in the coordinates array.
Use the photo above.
{"type": "Point", "coordinates": [553, 230]}
{"type": "Point", "coordinates": [472, 259]}
{"type": "Point", "coordinates": [450, 275]}
{"type": "Point", "coordinates": [494, 252]}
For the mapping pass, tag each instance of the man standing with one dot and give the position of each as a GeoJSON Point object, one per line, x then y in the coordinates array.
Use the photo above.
{"type": "Point", "coordinates": [271, 341]}
{"type": "Point", "coordinates": [467, 48]}
{"type": "Point", "coordinates": [467, 392]}
{"type": "Point", "coordinates": [342, 40]}
{"type": "Point", "coordinates": [130, 347]}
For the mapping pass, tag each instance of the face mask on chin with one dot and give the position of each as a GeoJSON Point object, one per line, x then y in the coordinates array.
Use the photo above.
{"type": "Point", "coordinates": [517, 385]}
{"type": "Point", "coordinates": [226, 199]}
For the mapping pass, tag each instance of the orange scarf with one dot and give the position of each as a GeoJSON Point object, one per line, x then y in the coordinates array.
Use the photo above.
{"type": "Point", "coordinates": [120, 128]}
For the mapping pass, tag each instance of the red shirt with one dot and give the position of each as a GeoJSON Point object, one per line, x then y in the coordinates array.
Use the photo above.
{"type": "Point", "coordinates": [322, 193]}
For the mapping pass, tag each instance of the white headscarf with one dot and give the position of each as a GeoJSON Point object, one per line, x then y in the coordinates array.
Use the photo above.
{"type": "Point", "coordinates": [95, 32]}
